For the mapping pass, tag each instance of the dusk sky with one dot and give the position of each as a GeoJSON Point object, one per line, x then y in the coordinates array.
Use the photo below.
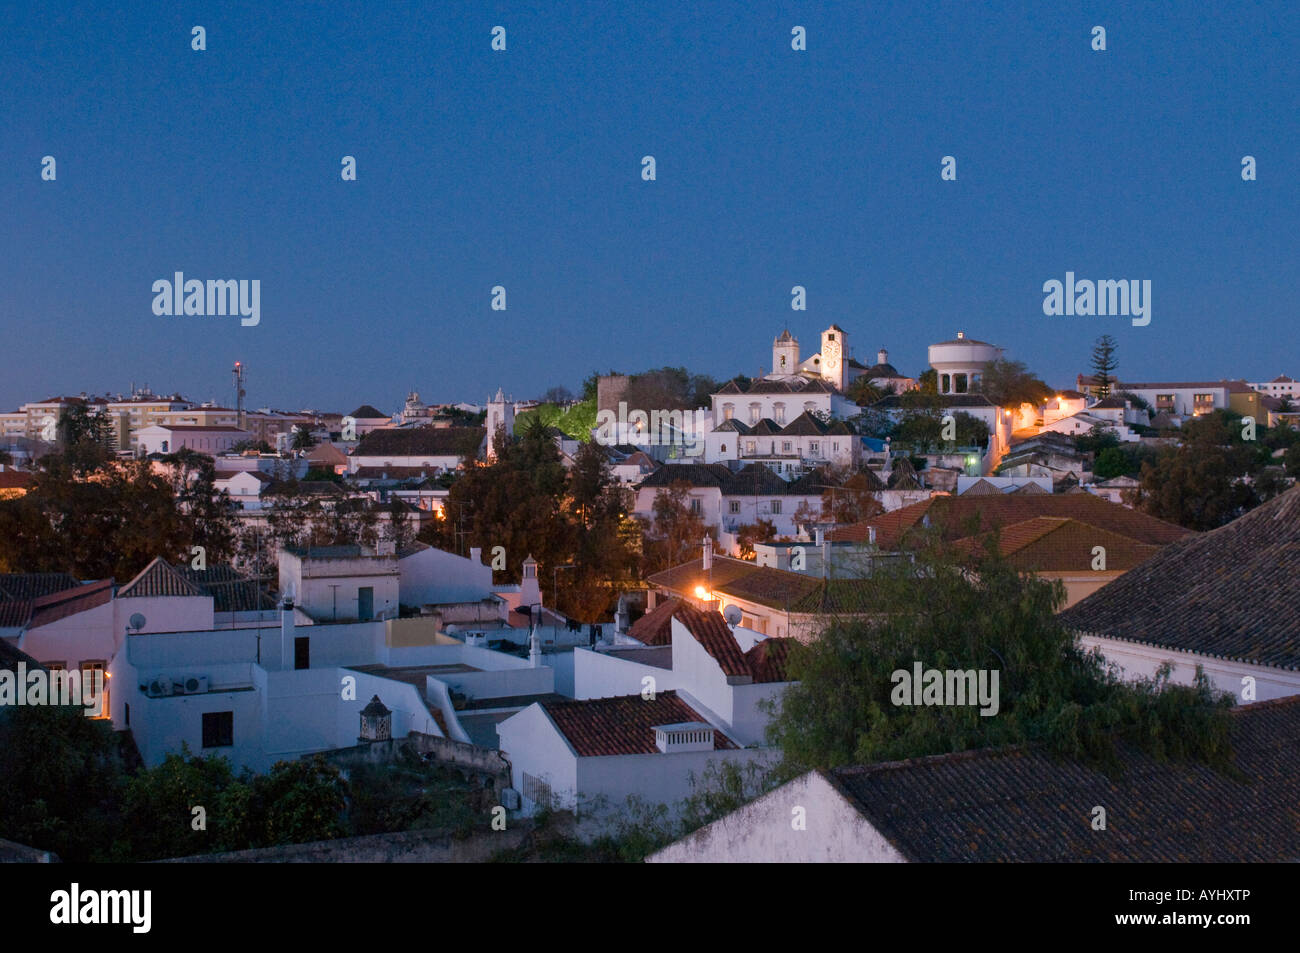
{"type": "Point", "coordinates": [522, 168]}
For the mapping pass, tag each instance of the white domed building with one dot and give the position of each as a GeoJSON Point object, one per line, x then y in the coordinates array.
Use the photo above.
{"type": "Point", "coordinates": [960, 362]}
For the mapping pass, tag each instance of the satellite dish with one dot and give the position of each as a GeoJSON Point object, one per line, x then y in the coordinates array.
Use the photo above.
{"type": "Point", "coordinates": [733, 615]}
{"type": "Point", "coordinates": [451, 628]}
{"type": "Point", "coordinates": [137, 621]}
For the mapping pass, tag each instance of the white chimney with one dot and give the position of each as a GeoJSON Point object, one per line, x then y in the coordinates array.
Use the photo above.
{"type": "Point", "coordinates": [871, 535]}
{"type": "Point", "coordinates": [708, 554]}
{"type": "Point", "coordinates": [286, 634]}
{"type": "Point", "coordinates": [961, 335]}
{"type": "Point", "coordinates": [535, 644]}
{"type": "Point", "coordinates": [882, 356]}
{"type": "Point", "coordinates": [476, 554]}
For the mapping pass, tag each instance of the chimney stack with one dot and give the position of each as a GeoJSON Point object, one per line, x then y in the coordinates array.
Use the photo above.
{"type": "Point", "coordinates": [708, 554]}
{"type": "Point", "coordinates": [882, 357]}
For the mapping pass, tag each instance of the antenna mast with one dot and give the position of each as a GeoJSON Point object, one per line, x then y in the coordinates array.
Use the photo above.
{"type": "Point", "coordinates": [239, 394]}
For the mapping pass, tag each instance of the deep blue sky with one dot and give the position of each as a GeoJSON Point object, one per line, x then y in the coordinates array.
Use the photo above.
{"type": "Point", "coordinates": [522, 168]}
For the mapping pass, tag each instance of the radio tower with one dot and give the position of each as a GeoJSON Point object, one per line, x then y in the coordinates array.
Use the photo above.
{"type": "Point", "coordinates": [239, 394]}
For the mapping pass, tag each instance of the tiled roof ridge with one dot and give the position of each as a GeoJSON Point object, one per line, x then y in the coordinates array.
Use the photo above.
{"type": "Point", "coordinates": [165, 568]}
{"type": "Point", "coordinates": [1020, 748]}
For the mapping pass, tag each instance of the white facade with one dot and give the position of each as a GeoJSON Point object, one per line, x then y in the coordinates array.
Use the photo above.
{"type": "Point", "coordinates": [598, 787]}
{"type": "Point", "coordinates": [208, 440]}
{"type": "Point", "coordinates": [333, 583]}
{"type": "Point", "coordinates": [1139, 660]}
{"type": "Point", "coordinates": [960, 363]}
{"type": "Point", "coordinates": [432, 576]}
{"type": "Point", "coordinates": [805, 821]}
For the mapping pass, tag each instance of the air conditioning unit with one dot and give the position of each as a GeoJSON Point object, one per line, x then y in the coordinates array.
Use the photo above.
{"type": "Point", "coordinates": [160, 688]}
{"type": "Point", "coordinates": [510, 799]}
{"type": "Point", "coordinates": [196, 684]}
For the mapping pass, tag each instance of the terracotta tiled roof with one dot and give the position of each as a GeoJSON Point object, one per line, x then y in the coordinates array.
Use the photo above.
{"type": "Point", "coordinates": [192, 428]}
{"type": "Point", "coordinates": [613, 726]}
{"type": "Point", "coordinates": [1021, 805]}
{"type": "Point", "coordinates": [303, 487]}
{"type": "Point", "coordinates": [60, 605]}
{"type": "Point", "coordinates": [903, 475]}
{"type": "Point", "coordinates": [713, 633]}
{"type": "Point", "coordinates": [805, 425]}
{"type": "Point", "coordinates": [418, 441]}
{"type": "Point", "coordinates": [159, 578]}
{"type": "Point", "coordinates": [737, 578]}
{"type": "Point", "coordinates": [696, 474]}
{"type": "Point", "coordinates": [1031, 489]}
{"type": "Point", "coordinates": [231, 590]}
{"type": "Point", "coordinates": [11, 655]}
{"type": "Point", "coordinates": [656, 626]}
{"type": "Point", "coordinates": [688, 575]}
{"type": "Point", "coordinates": [367, 412]}
{"type": "Point", "coordinates": [1060, 544]}
{"type": "Point", "coordinates": [1230, 593]}
{"type": "Point", "coordinates": [755, 480]}
{"type": "Point", "coordinates": [960, 516]}
{"type": "Point", "coordinates": [982, 488]}
{"type": "Point", "coordinates": [791, 385]}
{"type": "Point", "coordinates": [767, 660]}
{"type": "Point", "coordinates": [945, 400]}
{"type": "Point", "coordinates": [393, 473]}
{"type": "Point", "coordinates": [19, 590]}
{"type": "Point", "coordinates": [258, 475]}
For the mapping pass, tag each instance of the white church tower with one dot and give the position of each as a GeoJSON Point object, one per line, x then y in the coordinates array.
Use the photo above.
{"type": "Point", "coordinates": [835, 357]}
{"type": "Point", "coordinates": [500, 413]}
{"type": "Point", "coordinates": [785, 355]}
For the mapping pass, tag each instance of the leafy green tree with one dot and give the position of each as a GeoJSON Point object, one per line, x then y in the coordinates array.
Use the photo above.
{"type": "Point", "coordinates": [675, 532]}
{"type": "Point", "coordinates": [111, 523]}
{"type": "Point", "coordinates": [1010, 384]}
{"type": "Point", "coordinates": [1113, 462]}
{"type": "Point", "coordinates": [158, 811]}
{"type": "Point", "coordinates": [302, 801]}
{"type": "Point", "coordinates": [924, 429]}
{"type": "Point", "coordinates": [977, 614]}
{"type": "Point", "coordinates": [864, 393]}
{"type": "Point", "coordinates": [210, 514]}
{"type": "Point", "coordinates": [302, 438]}
{"type": "Point", "coordinates": [1097, 440]}
{"type": "Point", "coordinates": [1213, 476]}
{"type": "Point", "coordinates": [747, 534]}
{"type": "Point", "coordinates": [62, 783]}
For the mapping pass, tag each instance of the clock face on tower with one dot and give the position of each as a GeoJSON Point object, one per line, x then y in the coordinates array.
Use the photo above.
{"type": "Point", "coordinates": [831, 355]}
